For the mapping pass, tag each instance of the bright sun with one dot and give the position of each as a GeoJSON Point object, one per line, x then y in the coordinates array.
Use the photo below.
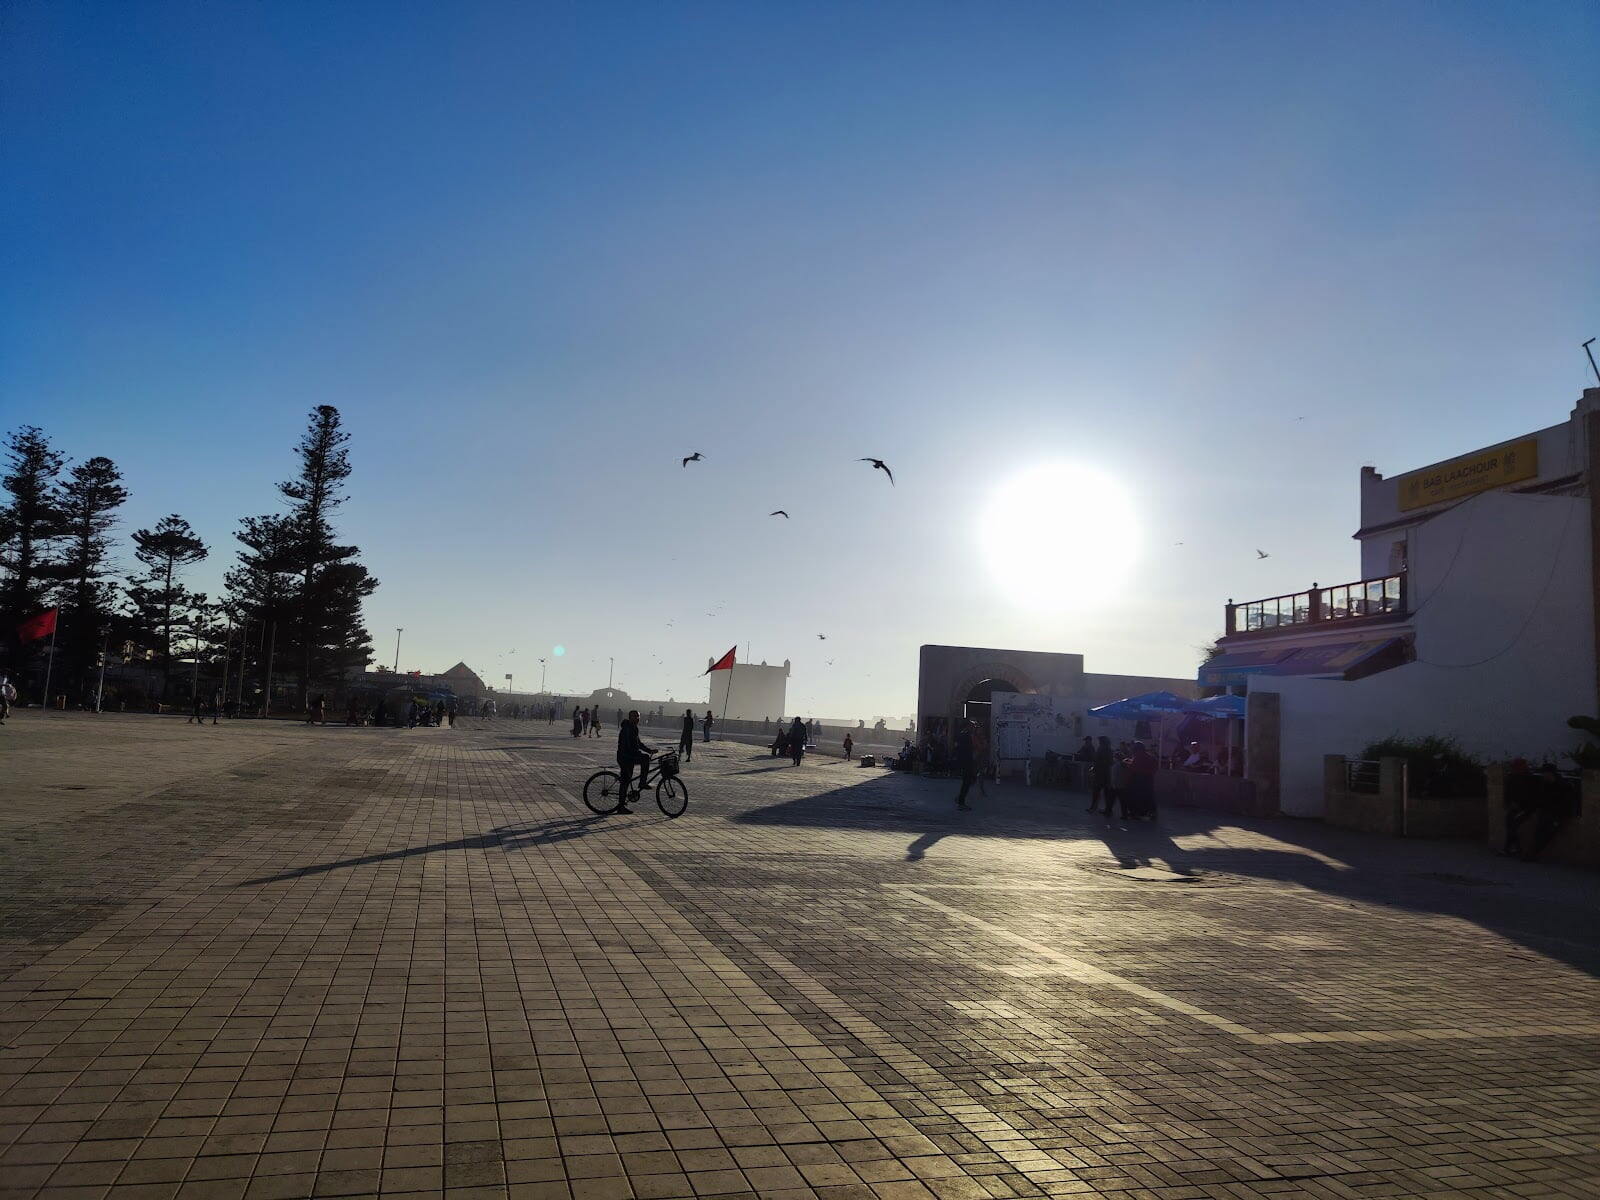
{"type": "Point", "coordinates": [1059, 535]}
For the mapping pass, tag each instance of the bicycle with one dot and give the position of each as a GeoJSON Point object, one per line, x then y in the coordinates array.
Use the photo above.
{"type": "Point", "coordinates": [602, 791]}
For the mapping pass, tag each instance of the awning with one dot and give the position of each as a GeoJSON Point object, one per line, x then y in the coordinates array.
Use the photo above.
{"type": "Point", "coordinates": [1337, 660]}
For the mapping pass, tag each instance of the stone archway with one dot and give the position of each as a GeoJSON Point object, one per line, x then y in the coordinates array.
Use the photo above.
{"type": "Point", "coordinates": [1006, 676]}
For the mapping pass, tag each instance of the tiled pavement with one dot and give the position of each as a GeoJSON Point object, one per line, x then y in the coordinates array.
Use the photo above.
{"type": "Point", "coordinates": [270, 961]}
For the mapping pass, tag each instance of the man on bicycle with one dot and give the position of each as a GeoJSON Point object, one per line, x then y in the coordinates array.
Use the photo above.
{"type": "Point", "coordinates": [631, 753]}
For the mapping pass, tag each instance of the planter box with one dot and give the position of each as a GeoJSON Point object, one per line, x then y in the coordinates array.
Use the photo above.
{"type": "Point", "coordinates": [1446, 817]}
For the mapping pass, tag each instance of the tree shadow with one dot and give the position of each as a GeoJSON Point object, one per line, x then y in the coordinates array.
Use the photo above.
{"type": "Point", "coordinates": [505, 837]}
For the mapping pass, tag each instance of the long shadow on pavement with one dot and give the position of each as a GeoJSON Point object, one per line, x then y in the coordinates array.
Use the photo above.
{"type": "Point", "coordinates": [505, 837]}
{"type": "Point", "coordinates": [1550, 909]}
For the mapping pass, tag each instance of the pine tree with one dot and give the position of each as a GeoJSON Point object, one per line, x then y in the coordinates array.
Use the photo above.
{"type": "Point", "coordinates": [89, 500]}
{"type": "Point", "coordinates": [31, 524]}
{"type": "Point", "coordinates": [163, 605]}
{"type": "Point", "coordinates": [329, 636]}
{"type": "Point", "coordinates": [261, 590]}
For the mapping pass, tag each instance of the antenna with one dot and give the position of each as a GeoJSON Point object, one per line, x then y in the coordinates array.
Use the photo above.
{"type": "Point", "coordinates": [1590, 353]}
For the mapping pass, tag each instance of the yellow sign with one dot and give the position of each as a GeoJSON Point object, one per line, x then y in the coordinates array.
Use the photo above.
{"type": "Point", "coordinates": [1511, 463]}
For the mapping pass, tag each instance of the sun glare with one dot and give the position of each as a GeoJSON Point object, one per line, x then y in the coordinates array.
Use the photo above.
{"type": "Point", "coordinates": [1059, 535]}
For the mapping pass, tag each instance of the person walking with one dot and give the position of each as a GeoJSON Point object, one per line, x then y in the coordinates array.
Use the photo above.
{"type": "Point", "coordinates": [1100, 775]}
{"type": "Point", "coordinates": [965, 763]}
{"type": "Point", "coordinates": [198, 716]}
{"type": "Point", "coordinates": [594, 722]}
{"type": "Point", "coordinates": [686, 738]}
{"type": "Point", "coordinates": [216, 705]}
{"type": "Point", "coordinates": [8, 693]}
{"type": "Point", "coordinates": [849, 742]}
{"type": "Point", "coordinates": [631, 754]}
{"type": "Point", "coordinates": [577, 722]}
{"type": "Point", "coordinates": [797, 741]}
{"type": "Point", "coordinates": [450, 713]}
{"type": "Point", "coordinates": [1141, 784]}
{"type": "Point", "coordinates": [706, 725]}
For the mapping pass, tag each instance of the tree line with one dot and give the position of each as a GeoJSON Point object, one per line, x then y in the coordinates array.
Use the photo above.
{"type": "Point", "coordinates": [291, 602]}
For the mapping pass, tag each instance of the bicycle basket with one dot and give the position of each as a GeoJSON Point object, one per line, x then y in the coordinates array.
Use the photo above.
{"type": "Point", "coordinates": [668, 765]}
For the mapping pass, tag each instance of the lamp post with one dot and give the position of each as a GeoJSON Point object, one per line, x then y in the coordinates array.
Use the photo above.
{"type": "Point", "coordinates": [541, 676]}
{"type": "Point", "coordinates": [397, 632]}
{"type": "Point", "coordinates": [611, 673]}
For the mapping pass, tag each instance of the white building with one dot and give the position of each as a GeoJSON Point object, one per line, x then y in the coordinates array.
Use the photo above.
{"type": "Point", "coordinates": [956, 682]}
{"type": "Point", "coordinates": [1473, 618]}
{"type": "Point", "coordinates": [749, 692]}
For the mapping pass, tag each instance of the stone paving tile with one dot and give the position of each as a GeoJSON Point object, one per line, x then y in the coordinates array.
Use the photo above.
{"type": "Point", "coordinates": [264, 960]}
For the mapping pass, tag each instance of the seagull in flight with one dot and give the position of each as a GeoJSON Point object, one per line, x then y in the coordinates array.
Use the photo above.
{"type": "Point", "coordinates": [778, 512]}
{"type": "Point", "coordinates": [1262, 554]}
{"type": "Point", "coordinates": [822, 637]}
{"type": "Point", "coordinates": [695, 457]}
{"type": "Point", "coordinates": [879, 465]}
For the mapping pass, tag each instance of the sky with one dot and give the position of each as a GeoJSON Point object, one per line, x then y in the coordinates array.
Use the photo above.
{"type": "Point", "coordinates": [1195, 263]}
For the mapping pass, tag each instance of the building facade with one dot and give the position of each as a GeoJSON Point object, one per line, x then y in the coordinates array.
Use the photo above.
{"type": "Point", "coordinates": [1473, 617]}
{"type": "Point", "coordinates": [749, 691]}
{"type": "Point", "coordinates": [958, 681]}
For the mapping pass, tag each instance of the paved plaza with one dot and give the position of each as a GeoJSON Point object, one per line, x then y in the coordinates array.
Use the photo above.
{"type": "Point", "coordinates": [266, 960]}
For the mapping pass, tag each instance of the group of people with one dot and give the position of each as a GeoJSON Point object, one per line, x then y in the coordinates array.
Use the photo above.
{"type": "Point", "coordinates": [1124, 777]}
{"type": "Point", "coordinates": [793, 740]}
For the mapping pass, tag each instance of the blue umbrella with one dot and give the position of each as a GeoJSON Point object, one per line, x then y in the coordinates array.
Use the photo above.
{"type": "Point", "coordinates": [1147, 704]}
{"type": "Point", "coordinates": [1219, 706]}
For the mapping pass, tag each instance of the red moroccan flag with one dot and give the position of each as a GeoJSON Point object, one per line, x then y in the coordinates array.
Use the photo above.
{"type": "Point", "coordinates": [725, 663]}
{"type": "Point", "coordinates": [38, 627]}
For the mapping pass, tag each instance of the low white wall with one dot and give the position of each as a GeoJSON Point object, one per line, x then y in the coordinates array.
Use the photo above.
{"type": "Point", "coordinates": [1505, 648]}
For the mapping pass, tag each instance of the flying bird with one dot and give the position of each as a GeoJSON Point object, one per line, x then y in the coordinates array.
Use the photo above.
{"type": "Point", "coordinates": [879, 465]}
{"type": "Point", "coordinates": [778, 512]}
{"type": "Point", "coordinates": [695, 457]}
{"type": "Point", "coordinates": [822, 637]}
{"type": "Point", "coordinates": [1262, 554]}
{"type": "Point", "coordinates": [830, 662]}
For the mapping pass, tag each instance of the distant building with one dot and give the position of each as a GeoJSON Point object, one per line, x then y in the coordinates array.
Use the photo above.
{"type": "Point", "coordinates": [460, 679]}
{"type": "Point", "coordinates": [749, 692]}
{"type": "Point", "coordinates": [1473, 617]}
{"type": "Point", "coordinates": [957, 681]}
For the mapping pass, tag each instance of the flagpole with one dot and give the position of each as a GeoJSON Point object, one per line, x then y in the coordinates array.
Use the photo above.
{"type": "Point", "coordinates": [49, 663]}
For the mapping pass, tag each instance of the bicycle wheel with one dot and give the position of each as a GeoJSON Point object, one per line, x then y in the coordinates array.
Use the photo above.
{"type": "Point", "coordinates": [602, 792]}
{"type": "Point", "coordinates": [672, 796]}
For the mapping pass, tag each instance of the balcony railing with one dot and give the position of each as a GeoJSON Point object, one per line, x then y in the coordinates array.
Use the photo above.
{"type": "Point", "coordinates": [1384, 596]}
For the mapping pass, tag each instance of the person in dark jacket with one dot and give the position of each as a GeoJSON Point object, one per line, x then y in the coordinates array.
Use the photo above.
{"type": "Point", "coordinates": [1100, 775]}
{"type": "Point", "coordinates": [1141, 785]}
{"type": "Point", "coordinates": [797, 740]}
{"type": "Point", "coordinates": [686, 738]}
{"type": "Point", "coordinates": [631, 753]}
{"type": "Point", "coordinates": [966, 763]}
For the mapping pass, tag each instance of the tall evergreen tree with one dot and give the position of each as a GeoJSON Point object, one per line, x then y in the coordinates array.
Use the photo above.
{"type": "Point", "coordinates": [31, 524]}
{"type": "Point", "coordinates": [330, 637]}
{"type": "Point", "coordinates": [89, 500]}
{"type": "Point", "coordinates": [163, 604]}
{"type": "Point", "coordinates": [261, 590]}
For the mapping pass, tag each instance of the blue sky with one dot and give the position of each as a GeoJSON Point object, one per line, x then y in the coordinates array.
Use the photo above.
{"type": "Point", "coordinates": [536, 253]}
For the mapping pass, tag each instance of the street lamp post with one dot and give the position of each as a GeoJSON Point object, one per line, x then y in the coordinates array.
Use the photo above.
{"type": "Point", "coordinates": [397, 632]}
{"type": "Point", "coordinates": [541, 675]}
{"type": "Point", "coordinates": [610, 674]}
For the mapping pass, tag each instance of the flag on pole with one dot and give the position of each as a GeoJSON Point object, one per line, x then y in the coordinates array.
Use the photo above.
{"type": "Point", "coordinates": [725, 663]}
{"type": "Point", "coordinates": [43, 626]}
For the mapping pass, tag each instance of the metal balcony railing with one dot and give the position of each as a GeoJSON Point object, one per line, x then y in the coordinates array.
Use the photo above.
{"type": "Point", "coordinates": [1384, 596]}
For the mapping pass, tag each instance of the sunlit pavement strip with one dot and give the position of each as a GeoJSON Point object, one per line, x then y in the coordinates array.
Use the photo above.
{"type": "Point", "coordinates": [270, 961]}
